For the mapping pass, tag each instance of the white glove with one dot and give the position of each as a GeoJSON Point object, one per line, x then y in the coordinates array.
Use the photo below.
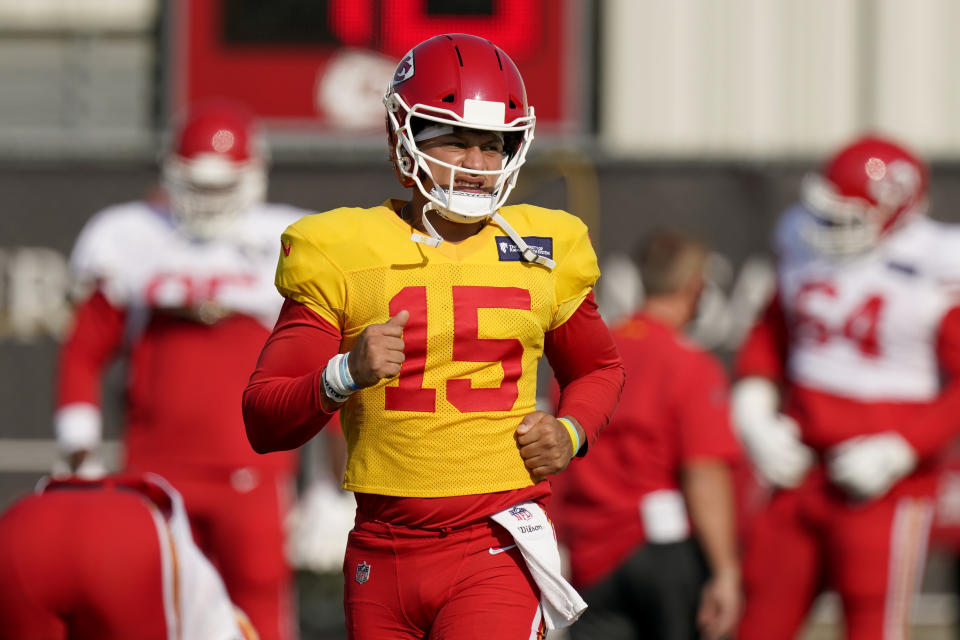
{"type": "Point", "coordinates": [772, 439]}
{"type": "Point", "coordinates": [867, 466]}
{"type": "Point", "coordinates": [318, 526]}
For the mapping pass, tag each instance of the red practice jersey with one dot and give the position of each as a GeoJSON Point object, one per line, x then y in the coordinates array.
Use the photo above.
{"type": "Point", "coordinates": [674, 410]}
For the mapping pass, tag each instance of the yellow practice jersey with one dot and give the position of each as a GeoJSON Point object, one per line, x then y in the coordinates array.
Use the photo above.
{"type": "Point", "coordinates": [478, 314]}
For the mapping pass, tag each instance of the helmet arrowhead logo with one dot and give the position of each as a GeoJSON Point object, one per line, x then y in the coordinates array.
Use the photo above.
{"type": "Point", "coordinates": [404, 69]}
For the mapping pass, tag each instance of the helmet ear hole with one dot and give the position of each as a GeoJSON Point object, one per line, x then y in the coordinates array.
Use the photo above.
{"type": "Point", "coordinates": [401, 163]}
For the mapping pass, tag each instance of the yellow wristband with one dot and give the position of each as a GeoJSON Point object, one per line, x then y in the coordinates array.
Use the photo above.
{"type": "Point", "coordinates": [574, 436]}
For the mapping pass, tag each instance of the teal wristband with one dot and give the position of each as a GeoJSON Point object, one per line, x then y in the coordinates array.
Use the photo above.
{"type": "Point", "coordinates": [574, 436]}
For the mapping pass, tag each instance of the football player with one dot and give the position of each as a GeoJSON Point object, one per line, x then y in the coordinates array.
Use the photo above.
{"type": "Point", "coordinates": [183, 288]}
{"type": "Point", "coordinates": [424, 319]}
{"type": "Point", "coordinates": [841, 401]}
{"type": "Point", "coordinates": [109, 559]}
{"type": "Point", "coordinates": [654, 499]}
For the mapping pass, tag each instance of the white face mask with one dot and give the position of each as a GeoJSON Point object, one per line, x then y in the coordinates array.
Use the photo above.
{"type": "Point", "coordinates": [462, 203]}
{"type": "Point", "coordinates": [206, 195]}
{"type": "Point", "coordinates": [412, 161]}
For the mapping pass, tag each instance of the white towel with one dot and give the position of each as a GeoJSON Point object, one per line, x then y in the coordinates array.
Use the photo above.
{"type": "Point", "coordinates": [664, 516]}
{"type": "Point", "coordinates": [527, 522]}
{"type": "Point", "coordinates": [204, 610]}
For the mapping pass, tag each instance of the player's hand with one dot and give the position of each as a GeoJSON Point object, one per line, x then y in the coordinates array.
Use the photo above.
{"type": "Point", "coordinates": [544, 444]}
{"type": "Point", "coordinates": [867, 466]}
{"type": "Point", "coordinates": [378, 353]}
{"type": "Point", "coordinates": [777, 452]}
{"type": "Point", "coordinates": [721, 603]}
{"type": "Point", "coordinates": [771, 438]}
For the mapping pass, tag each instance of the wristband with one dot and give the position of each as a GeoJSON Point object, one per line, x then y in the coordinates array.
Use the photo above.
{"type": "Point", "coordinates": [574, 436]}
{"type": "Point", "coordinates": [338, 384]}
{"type": "Point", "coordinates": [345, 376]}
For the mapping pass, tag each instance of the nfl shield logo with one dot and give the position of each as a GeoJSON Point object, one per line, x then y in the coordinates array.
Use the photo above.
{"type": "Point", "coordinates": [521, 514]}
{"type": "Point", "coordinates": [363, 572]}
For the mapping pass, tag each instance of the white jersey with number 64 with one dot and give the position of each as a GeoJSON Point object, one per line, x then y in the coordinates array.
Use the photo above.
{"type": "Point", "coordinates": [866, 327]}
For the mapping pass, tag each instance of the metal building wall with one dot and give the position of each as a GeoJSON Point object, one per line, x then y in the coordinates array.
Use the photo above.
{"type": "Point", "coordinates": [762, 78]}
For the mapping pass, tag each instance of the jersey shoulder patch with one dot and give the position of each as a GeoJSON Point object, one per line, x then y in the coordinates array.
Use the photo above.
{"type": "Point", "coordinates": [577, 270]}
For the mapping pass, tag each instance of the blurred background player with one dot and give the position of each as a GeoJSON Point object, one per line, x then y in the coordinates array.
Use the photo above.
{"type": "Point", "coordinates": [182, 286]}
{"type": "Point", "coordinates": [663, 464]}
{"type": "Point", "coordinates": [840, 400]}
{"type": "Point", "coordinates": [430, 316]}
{"type": "Point", "coordinates": [109, 559]}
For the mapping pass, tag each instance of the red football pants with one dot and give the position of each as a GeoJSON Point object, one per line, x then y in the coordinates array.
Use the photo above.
{"type": "Point", "coordinates": [237, 521]}
{"type": "Point", "coordinates": [83, 564]}
{"type": "Point", "coordinates": [872, 553]}
{"type": "Point", "coordinates": [412, 584]}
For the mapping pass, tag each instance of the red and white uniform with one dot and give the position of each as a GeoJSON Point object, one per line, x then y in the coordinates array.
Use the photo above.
{"type": "Point", "coordinates": [674, 410]}
{"type": "Point", "coordinates": [109, 559]}
{"type": "Point", "coordinates": [862, 345]}
{"type": "Point", "coordinates": [192, 316]}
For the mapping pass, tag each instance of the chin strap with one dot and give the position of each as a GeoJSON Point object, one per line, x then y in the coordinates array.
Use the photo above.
{"type": "Point", "coordinates": [529, 254]}
{"type": "Point", "coordinates": [434, 239]}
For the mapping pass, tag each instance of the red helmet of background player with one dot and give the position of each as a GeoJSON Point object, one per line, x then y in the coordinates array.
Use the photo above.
{"type": "Point", "coordinates": [457, 80]}
{"type": "Point", "coordinates": [215, 169]}
{"type": "Point", "coordinates": [865, 190]}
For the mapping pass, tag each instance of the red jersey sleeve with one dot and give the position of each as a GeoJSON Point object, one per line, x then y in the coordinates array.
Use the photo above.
{"type": "Point", "coordinates": [940, 422]}
{"type": "Point", "coordinates": [703, 413]}
{"type": "Point", "coordinates": [588, 368]}
{"type": "Point", "coordinates": [91, 343]}
{"type": "Point", "coordinates": [764, 352]}
{"type": "Point", "coordinates": [282, 402]}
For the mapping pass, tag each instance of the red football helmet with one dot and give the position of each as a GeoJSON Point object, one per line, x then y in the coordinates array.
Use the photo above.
{"type": "Point", "coordinates": [865, 190]}
{"type": "Point", "coordinates": [457, 80]}
{"type": "Point", "coordinates": [216, 168]}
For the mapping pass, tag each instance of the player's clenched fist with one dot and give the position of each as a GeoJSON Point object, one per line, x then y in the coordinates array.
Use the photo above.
{"type": "Point", "coordinates": [378, 352]}
{"type": "Point", "coordinates": [544, 444]}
